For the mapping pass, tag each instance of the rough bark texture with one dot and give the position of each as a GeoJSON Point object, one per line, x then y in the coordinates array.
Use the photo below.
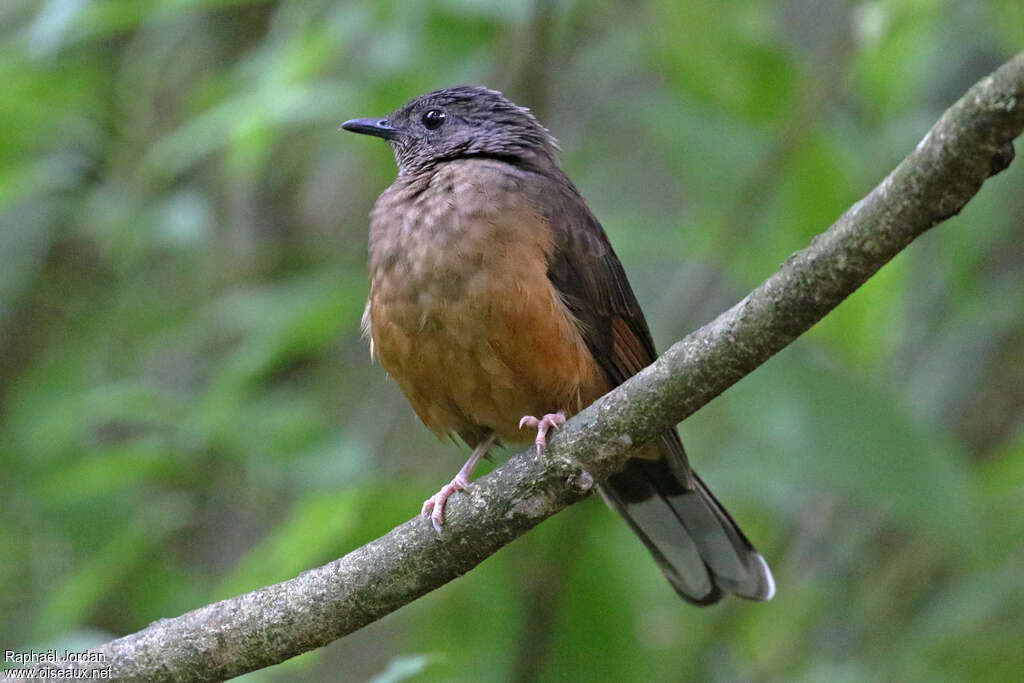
{"type": "Point", "coordinates": [969, 143]}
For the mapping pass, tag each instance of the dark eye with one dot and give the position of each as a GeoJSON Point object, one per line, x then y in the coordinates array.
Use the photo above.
{"type": "Point", "coordinates": [433, 119]}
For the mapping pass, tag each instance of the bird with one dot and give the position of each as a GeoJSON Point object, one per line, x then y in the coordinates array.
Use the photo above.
{"type": "Point", "coordinates": [498, 306]}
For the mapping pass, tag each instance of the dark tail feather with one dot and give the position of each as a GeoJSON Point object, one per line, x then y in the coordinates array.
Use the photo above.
{"type": "Point", "coordinates": [694, 540]}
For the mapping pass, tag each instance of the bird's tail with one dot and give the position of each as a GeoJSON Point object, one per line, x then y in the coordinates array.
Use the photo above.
{"type": "Point", "coordinates": [696, 543]}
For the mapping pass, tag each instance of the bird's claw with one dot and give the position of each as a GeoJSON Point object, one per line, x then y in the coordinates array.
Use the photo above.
{"type": "Point", "coordinates": [542, 425]}
{"type": "Point", "coordinates": [435, 504]}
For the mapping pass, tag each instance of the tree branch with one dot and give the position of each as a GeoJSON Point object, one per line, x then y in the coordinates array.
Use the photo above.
{"type": "Point", "coordinates": [969, 143]}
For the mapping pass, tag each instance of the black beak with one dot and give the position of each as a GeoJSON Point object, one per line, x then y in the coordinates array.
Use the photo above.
{"type": "Point", "coordinates": [376, 127]}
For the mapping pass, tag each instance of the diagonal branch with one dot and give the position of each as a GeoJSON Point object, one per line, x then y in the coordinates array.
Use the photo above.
{"type": "Point", "coordinates": [969, 143]}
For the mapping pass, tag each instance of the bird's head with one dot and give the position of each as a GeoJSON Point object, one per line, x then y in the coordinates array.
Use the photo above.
{"type": "Point", "coordinates": [461, 122]}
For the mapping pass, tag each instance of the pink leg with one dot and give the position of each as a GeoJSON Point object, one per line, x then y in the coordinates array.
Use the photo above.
{"type": "Point", "coordinates": [542, 425]}
{"type": "Point", "coordinates": [435, 504]}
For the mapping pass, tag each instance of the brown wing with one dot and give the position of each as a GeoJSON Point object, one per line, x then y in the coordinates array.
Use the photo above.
{"type": "Point", "coordinates": [696, 543]}
{"type": "Point", "coordinates": [590, 278]}
{"type": "Point", "coordinates": [587, 273]}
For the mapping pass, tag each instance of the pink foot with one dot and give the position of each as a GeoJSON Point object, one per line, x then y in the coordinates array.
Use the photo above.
{"type": "Point", "coordinates": [542, 426]}
{"type": "Point", "coordinates": [435, 504]}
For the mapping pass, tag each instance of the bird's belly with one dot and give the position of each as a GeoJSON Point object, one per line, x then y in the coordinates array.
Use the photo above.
{"type": "Point", "coordinates": [477, 345]}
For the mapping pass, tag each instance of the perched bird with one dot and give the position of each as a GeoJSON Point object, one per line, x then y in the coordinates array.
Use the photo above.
{"type": "Point", "coordinates": [496, 303]}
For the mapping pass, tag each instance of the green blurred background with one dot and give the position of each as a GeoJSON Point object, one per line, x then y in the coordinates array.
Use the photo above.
{"type": "Point", "coordinates": [187, 411]}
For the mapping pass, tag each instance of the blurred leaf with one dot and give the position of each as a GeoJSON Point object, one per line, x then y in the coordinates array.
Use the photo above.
{"type": "Point", "coordinates": [403, 668]}
{"type": "Point", "coordinates": [836, 433]}
{"type": "Point", "coordinates": [247, 120]}
{"type": "Point", "coordinates": [899, 40]}
{"type": "Point", "coordinates": [103, 474]}
{"type": "Point", "coordinates": [70, 601]}
{"type": "Point", "coordinates": [316, 526]}
{"type": "Point", "coordinates": [728, 61]}
{"type": "Point", "coordinates": [52, 22]}
{"type": "Point", "coordinates": [280, 324]}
